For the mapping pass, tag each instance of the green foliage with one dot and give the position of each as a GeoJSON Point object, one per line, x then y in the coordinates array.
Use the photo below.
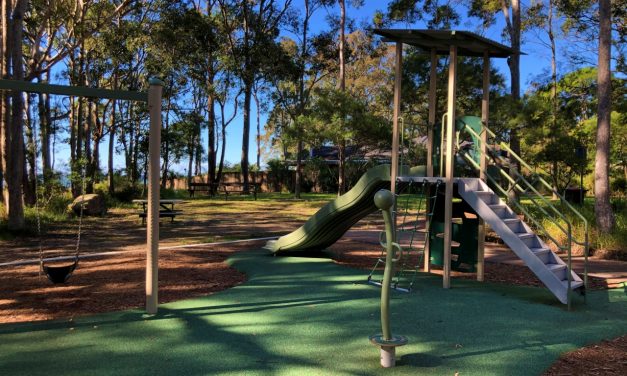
{"type": "Point", "coordinates": [279, 176]}
{"type": "Point", "coordinates": [319, 174]}
{"type": "Point", "coordinates": [615, 241]}
{"type": "Point", "coordinates": [338, 115]}
{"type": "Point", "coordinates": [556, 127]}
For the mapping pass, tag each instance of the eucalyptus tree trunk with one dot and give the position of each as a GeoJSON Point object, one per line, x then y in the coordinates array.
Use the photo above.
{"type": "Point", "coordinates": [211, 112]}
{"type": "Point", "coordinates": [301, 97]}
{"type": "Point", "coordinates": [43, 106]}
{"type": "Point", "coordinates": [14, 130]}
{"type": "Point", "coordinates": [28, 179]}
{"type": "Point", "coordinates": [514, 67]}
{"type": "Point", "coordinates": [88, 129]}
{"type": "Point", "coordinates": [165, 140]}
{"type": "Point", "coordinates": [112, 129]}
{"type": "Point", "coordinates": [4, 95]}
{"type": "Point", "coordinates": [248, 88]}
{"type": "Point", "coordinates": [342, 86]}
{"type": "Point", "coordinates": [554, 108]}
{"type": "Point", "coordinates": [602, 207]}
{"type": "Point", "coordinates": [258, 137]}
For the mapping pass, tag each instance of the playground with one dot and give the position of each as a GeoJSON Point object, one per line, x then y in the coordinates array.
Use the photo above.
{"type": "Point", "coordinates": [237, 287]}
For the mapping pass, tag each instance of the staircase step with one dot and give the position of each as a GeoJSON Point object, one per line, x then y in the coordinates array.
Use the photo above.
{"type": "Point", "coordinates": [528, 238]}
{"type": "Point", "coordinates": [558, 270]}
{"type": "Point", "coordinates": [514, 224]}
{"type": "Point", "coordinates": [544, 254]}
{"type": "Point", "coordinates": [573, 284]}
{"type": "Point", "coordinates": [485, 196]}
{"type": "Point", "coordinates": [511, 220]}
{"type": "Point", "coordinates": [499, 209]}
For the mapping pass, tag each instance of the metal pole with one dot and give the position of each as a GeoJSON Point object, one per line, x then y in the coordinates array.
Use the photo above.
{"type": "Point", "coordinates": [152, 229]}
{"type": "Point", "coordinates": [433, 78]}
{"type": "Point", "coordinates": [485, 115]}
{"type": "Point", "coordinates": [397, 114]}
{"type": "Point", "coordinates": [387, 342]}
{"type": "Point", "coordinates": [450, 134]}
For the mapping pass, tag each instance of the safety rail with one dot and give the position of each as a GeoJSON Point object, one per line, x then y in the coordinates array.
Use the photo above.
{"type": "Point", "coordinates": [521, 184]}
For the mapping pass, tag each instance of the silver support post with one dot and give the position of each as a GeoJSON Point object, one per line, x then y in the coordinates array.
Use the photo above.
{"type": "Point", "coordinates": [398, 72]}
{"type": "Point", "coordinates": [450, 134]}
{"type": "Point", "coordinates": [433, 78]}
{"type": "Point", "coordinates": [485, 115]}
{"type": "Point", "coordinates": [152, 229]}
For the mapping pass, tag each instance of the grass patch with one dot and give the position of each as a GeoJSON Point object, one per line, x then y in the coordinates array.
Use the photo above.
{"type": "Point", "coordinates": [615, 241]}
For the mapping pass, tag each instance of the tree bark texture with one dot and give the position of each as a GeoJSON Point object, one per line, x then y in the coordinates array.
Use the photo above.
{"type": "Point", "coordinates": [15, 133]}
{"type": "Point", "coordinates": [246, 134]}
{"type": "Point", "coordinates": [602, 208]}
{"type": "Point", "coordinates": [514, 67]}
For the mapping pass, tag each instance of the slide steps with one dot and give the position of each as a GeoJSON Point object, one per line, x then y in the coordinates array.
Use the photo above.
{"type": "Point", "coordinates": [545, 264]}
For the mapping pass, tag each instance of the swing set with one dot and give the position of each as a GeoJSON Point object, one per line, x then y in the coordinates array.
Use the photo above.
{"type": "Point", "coordinates": [60, 274]}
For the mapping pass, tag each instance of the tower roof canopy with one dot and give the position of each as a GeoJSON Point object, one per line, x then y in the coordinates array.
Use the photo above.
{"type": "Point", "coordinates": [468, 43]}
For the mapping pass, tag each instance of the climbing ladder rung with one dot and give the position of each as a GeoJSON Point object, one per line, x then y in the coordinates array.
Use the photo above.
{"type": "Point", "coordinates": [453, 242]}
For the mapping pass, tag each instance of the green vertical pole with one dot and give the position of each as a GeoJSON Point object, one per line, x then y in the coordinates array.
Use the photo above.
{"type": "Point", "coordinates": [384, 200]}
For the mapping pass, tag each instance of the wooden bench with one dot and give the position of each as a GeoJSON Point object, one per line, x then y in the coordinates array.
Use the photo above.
{"type": "Point", "coordinates": [202, 187]}
{"type": "Point", "coordinates": [229, 188]}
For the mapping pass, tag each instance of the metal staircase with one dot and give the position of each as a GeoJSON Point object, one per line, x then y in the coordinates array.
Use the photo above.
{"type": "Point", "coordinates": [522, 240]}
{"type": "Point", "coordinates": [538, 211]}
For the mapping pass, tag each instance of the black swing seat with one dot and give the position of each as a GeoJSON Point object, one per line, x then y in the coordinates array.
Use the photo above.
{"type": "Point", "coordinates": [59, 274]}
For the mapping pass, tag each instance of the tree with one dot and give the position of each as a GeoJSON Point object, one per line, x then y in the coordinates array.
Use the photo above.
{"type": "Point", "coordinates": [602, 207]}
{"type": "Point", "coordinates": [252, 44]}
{"type": "Point", "coordinates": [303, 70]}
{"type": "Point", "coordinates": [340, 118]}
{"type": "Point", "coordinates": [13, 111]}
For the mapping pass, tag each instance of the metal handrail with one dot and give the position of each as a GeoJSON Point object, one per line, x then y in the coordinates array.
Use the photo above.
{"type": "Point", "coordinates": [541, 180]}
{"type": "Point", "coordinates": [516, 185]}
{"type": "Point", "coordinates": [520, 206]}
{"type": "Point", "coordinates": [547, 185]}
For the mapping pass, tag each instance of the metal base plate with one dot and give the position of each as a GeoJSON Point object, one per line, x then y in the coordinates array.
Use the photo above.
{"type": "Point", "coordinates": [395, 341]}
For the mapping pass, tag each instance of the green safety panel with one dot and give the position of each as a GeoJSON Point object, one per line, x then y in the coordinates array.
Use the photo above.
{"type": "Point", "coordinates": [464, 257]}
{"type": "Point", "coordinates": [335, 218]}
{"type": "Point", "coordinates": [476, 125]}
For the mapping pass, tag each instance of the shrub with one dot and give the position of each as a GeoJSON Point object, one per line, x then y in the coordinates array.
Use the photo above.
{"type": "Point", "coordinates": [619, 186]}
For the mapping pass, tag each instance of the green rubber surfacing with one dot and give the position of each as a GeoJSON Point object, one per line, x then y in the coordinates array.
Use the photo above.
{"type": "Point", "coordinates": [328, 225]}
{"type": "Point", "coordinates": [300, 316]}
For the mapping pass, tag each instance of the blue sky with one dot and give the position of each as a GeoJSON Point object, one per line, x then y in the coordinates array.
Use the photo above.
{"type": "Point", "coordinates": [534, 64]}
{"type": "Point", "coordinates": [531, 65]}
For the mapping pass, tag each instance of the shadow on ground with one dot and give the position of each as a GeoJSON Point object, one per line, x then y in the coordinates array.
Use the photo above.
{"type": "Point", "coordinates": [309, 316]}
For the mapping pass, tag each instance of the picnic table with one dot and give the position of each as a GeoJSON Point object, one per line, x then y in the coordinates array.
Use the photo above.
{"type": "Point", "coordinates": [211, 188]}
{"type": "Point", "coordinates": [166, 209]}
{"type": "Point", "coordinates": [223, 188]}
{"type": "Point", "coordinates": [237, 187]}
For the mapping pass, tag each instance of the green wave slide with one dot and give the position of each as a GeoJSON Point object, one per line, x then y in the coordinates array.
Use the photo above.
{"type": "Point", "coordinates": [335, 218]}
